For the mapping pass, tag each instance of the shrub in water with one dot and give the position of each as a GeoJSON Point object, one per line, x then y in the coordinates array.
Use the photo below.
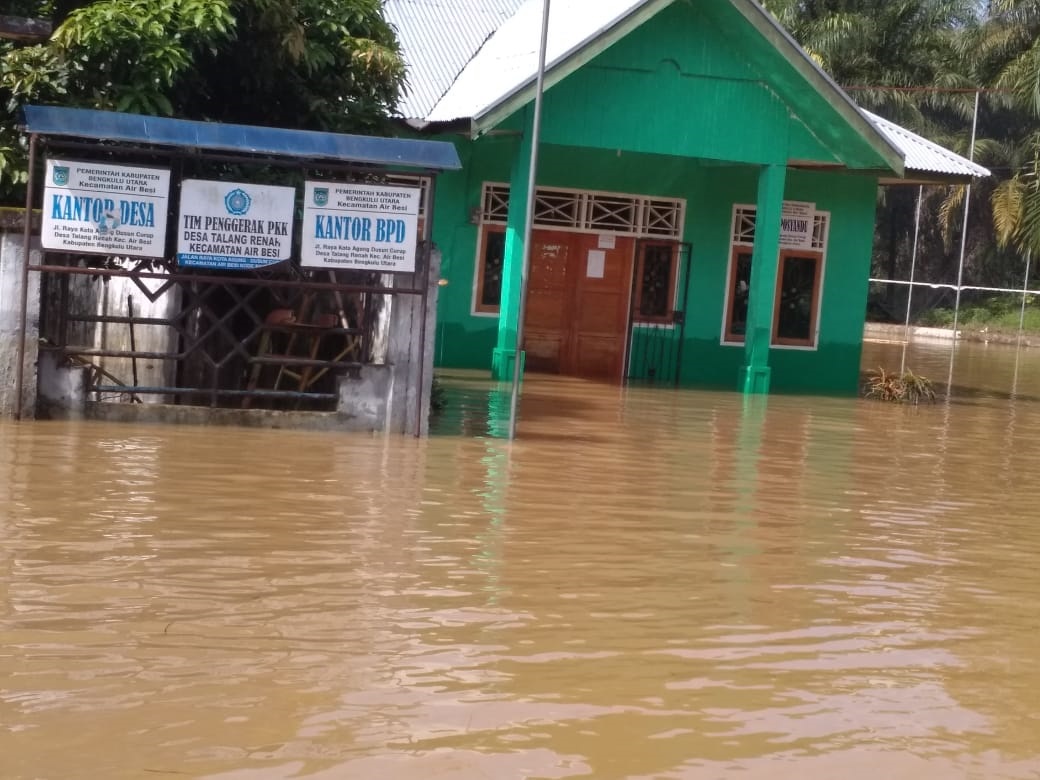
{"type": "Point", "coordinates": [909, 388]}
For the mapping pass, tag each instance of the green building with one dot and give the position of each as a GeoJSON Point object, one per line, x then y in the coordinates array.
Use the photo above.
{"type": "Point", "coordinates": [705, 199]}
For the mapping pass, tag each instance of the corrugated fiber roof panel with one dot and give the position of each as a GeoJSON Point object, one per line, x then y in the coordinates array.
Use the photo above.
{"type": "Point", "coordinates": [438, 38]}
{"type": "Point", "coordinates": [922, 155]}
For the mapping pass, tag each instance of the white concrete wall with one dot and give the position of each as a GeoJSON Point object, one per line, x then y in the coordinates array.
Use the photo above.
{"type": "Point", "coordinates": [11, 265]}
{"type": "Point", "coordinates": [111, 299]}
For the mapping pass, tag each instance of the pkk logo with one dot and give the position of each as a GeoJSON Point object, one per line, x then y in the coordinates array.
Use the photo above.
{"type": "Point", "coordinates": [321, 196]}
{"type": "Point", "coordinates": [60, 176]}
{"type": "Point", "coordinates": [237, 202]}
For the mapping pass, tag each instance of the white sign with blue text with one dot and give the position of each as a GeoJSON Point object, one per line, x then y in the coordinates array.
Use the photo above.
{"type": "Point", "coordinates": [108, 209]}
{"type": "Point", "coordinates": [233, 225]}
{"type": "Point", "coordinates": [368, 226]}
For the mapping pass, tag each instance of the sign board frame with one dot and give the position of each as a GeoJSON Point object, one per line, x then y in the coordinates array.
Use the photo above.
{"type": "Point", "coordinates": [234, 226]}
{"type": "Point", "coordinates": [371, 227]}
{"type": "Point", "coordinates": [105, 208]}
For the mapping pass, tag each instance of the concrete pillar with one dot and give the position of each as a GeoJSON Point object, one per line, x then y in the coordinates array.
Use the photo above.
{"type": "Point", "coordinates": [62, 391]}
{"type": "Point", "coordinates": [504, 357]}
{"type": "Point", "coordinates": [12, 257]}
{"type": "Point", "coordinates": [762, 295]}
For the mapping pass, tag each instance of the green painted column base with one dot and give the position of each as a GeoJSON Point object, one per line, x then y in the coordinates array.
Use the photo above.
{"type": "Point", "coordinates": [502, 363]}
{"type": "Point", "coordinates": [756, 380]}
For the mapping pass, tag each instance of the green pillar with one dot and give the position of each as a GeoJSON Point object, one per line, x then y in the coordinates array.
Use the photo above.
{"type": "Point", "coordinates": [762, 294]}
{"type": "Point", "coordinates": [504, 356]}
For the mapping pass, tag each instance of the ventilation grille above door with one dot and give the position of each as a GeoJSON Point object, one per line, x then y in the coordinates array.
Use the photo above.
{"type": "Point", "coordinates": [593, 212]}
{"type": "Point", "coordinates": [744, 226]}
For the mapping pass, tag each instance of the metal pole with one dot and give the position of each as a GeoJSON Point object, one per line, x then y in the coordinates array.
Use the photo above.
{"type": "Point", "coordinates": [133, 338]}
{"type": "Point", "coordinates": [913, 268]}
{"type": "Point", "coordinates": [1025, 292]}
{"type": "Point", "coordinates": [428, 257]}
{"type": "Point", "coordinates": [26, 238]}
{"type": "Point", "coordinates": [964, 229]}
{"type": "Point", "coordinates": [536, 127]}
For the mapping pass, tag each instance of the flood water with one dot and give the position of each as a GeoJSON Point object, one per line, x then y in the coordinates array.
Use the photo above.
{"type": "Point", "coordinates": [648, 584]}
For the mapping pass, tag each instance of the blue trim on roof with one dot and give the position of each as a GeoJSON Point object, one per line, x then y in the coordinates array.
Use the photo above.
{"type": "Point", "coordinates": [137, 128]}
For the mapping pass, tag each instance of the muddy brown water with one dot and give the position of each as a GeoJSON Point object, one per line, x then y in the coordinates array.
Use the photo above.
{"type": "Point", "coordinates": [649, 584]}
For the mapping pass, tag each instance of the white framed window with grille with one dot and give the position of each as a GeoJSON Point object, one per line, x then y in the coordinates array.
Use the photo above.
{"type": "Point", "coordinates": [799, 284]}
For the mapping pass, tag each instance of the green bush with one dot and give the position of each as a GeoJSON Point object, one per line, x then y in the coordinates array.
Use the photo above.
{"type": "Point", "coordinates": [999, 312]}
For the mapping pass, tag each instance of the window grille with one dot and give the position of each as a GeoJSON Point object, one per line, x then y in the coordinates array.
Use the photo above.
{"type": "Point", "coordinates": [495, 203]}
{"type": "Point", "coordinates": [412, 180]}
{"type": "Point", "coordinates": [613, 213]}
{"type": "Point", "coordinates": [744, 227]}
{"type": "Point", "coordinates": [557, 209]}
{"type": "Point", "coordinates": [662, 218]}
{"type": "Point", "coordinates": [819, 234]}
{"type": "Point", "coordinates": [594, 212]}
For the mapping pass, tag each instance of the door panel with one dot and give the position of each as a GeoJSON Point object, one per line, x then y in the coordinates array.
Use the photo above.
{"type": "Point", "coordinates": [577, 304]}
{"type": "Point", "coordinates": [548, 302]}
{"type": "Point", "coordinates": [600, 323]}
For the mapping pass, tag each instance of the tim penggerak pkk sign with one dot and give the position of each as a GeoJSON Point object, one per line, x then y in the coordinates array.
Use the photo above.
{"type": "Point", "coordinates": [367, 226]}
{"type": "Point", "coordinates": [234, 225]}
{"type": "Point", "coordinates": [107, 209]}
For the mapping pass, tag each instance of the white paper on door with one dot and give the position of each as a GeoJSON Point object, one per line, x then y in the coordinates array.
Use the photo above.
{"type": "Point", "coordinates": [596, 262]}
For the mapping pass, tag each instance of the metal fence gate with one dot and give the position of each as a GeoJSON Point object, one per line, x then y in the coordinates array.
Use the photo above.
{"type": "Point", "coordinates": [657, 312]}
{"type": "Point", "coordinates": [148, 331]}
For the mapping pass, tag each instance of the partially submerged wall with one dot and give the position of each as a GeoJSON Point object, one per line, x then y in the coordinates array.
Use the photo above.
{"type": "Point", "coordinates": [12, 258]}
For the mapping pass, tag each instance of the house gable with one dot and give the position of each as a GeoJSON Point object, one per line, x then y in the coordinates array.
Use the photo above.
{"type": "Point", "coordinates": [688, 83]}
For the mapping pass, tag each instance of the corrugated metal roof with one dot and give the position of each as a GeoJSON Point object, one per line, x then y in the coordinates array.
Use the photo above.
{"type": "Point", "coordinates": [503, 70]}
{"type": "Point", "coordinates": [307, 144]}
{"type": "Point", "coordinates": [510, 58]}
{"type": "Point", "coordinates": [922, 155]}
{"type": "Point", "coordinates": [438, 38]}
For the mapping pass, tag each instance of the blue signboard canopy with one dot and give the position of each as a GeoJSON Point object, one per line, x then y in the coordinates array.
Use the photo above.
{"type": "Point", "coordinates": [243, 139]}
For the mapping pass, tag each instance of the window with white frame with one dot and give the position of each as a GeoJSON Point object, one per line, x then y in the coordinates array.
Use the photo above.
{"type": "Point", "coordinates": [798, 283]}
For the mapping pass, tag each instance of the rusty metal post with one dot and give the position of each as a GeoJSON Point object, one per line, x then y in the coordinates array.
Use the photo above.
{"type": "Point", "coordinates": [428, 245]}
{"type": "Point", "coordinates": [26, 239]}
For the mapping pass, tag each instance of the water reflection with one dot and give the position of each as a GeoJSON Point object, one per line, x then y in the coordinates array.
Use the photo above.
{"type": "Point", "coordinates": [648, 584]}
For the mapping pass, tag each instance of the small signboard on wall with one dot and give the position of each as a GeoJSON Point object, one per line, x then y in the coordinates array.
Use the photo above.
{"type": "Point", "coordinates": [233, 225]}
{"type": "Point", "coordinates": [108, 209]}
{"type": "Point", "coordinates": [797, 220]}
{"type": "Point", "coordinates": [367, 226]}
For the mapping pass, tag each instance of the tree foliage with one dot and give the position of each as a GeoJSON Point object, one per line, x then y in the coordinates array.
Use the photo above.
{"type": "Point", "coordinates": [922, 63]}
{"type": "Point", "coordinates": [310, 64]}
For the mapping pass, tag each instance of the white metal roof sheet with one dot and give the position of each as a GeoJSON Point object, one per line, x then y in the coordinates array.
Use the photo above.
{"type": "Point", "coordinates": [509, 60]}
{"type": "Point", "coordinates": [467, 56]}
{"type": "Point", "coordinates": [438, 38]}
{"type": "Point", "coordinates": [922, 155]}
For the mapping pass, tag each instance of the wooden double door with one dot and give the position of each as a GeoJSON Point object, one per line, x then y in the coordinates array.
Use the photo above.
{"type": "Point", "coordinates": [578, 304]}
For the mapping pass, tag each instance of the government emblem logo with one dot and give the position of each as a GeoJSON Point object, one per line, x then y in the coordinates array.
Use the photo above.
{"type": "Point", "coordinates": [237, 202]}
{"type": "Point", "coordinates": [321, 196]}
{"type": "Point", "coordinates": [60, 176]}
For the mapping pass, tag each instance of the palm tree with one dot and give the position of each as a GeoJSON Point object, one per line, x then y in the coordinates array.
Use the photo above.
{"type": "Point", "coordinates": [1005, 54]}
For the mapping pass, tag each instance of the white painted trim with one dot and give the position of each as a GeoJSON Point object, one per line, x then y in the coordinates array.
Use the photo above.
{"type": "Point", "coordinates": [637, 198]}
{"type": "Point", "coordinates": [476, 274]}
